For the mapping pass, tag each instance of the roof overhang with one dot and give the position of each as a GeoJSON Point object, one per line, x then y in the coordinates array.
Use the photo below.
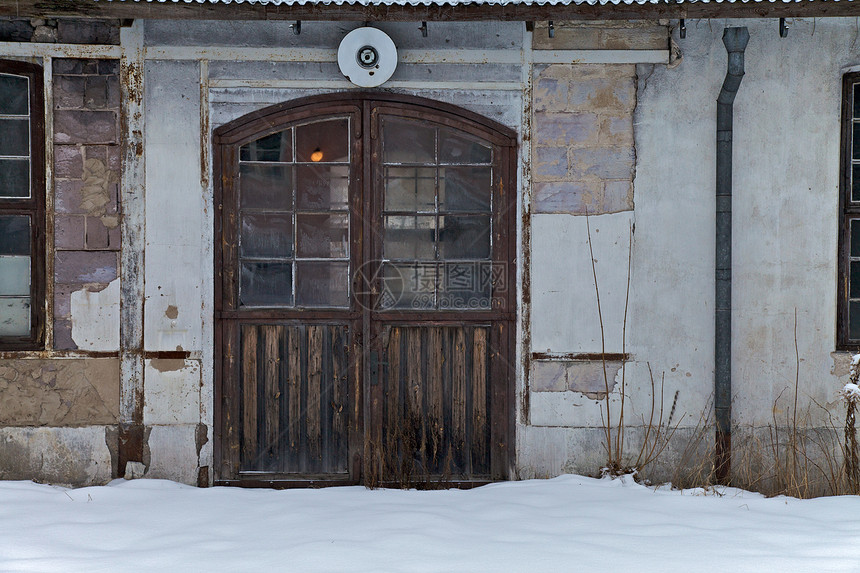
{"type": "Point", "coordinates": [429, 10]}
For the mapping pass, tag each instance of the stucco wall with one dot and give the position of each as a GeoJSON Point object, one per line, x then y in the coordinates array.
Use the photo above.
{"type": "Point", "coordinates": [616, 155]}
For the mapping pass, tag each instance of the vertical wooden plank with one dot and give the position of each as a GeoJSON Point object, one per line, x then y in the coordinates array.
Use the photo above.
{"type": "Point", "coordinates": [231, 401]}
{"type": "Point", "coordinates": [271, 393]}
{"type": "Point", "coordinates": [500, 372]}
{"type": "Point", "coordinates": [293, 420]}
{"type": "Point", "coordinates": [479, 400]}
{"type": "Point", "coordinates": [458, 396]}
{"type": "Point", "coordinates": [393, 383]}
{"type": "Point", "coordinates": [435, 429]}
{"type": "Point", "coordinates": [315, 350]}
{"type": "Point", "coordinates": [249, 396]}
{"type": "Point", "coordinates": [337, 406]}
{"type": "Point", "coordinates": [412, 403]}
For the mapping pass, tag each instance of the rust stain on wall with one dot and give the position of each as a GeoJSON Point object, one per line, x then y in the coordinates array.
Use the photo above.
{"type": "Point", "coordinates": [167, 364]}
{"type": "Point", "coordinates": [172, 312]}
{"type": "Point", "coordinates": [59, 392]}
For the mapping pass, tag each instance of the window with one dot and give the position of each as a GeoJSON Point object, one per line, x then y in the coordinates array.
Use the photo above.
{"type": "Point", "coordinates": [22, 206]}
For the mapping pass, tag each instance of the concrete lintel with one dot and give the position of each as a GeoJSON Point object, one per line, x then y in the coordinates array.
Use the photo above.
{"type": "Point", "coordinates": [601, 56]}
{"type": "Point", "coordinates": [35, 49]}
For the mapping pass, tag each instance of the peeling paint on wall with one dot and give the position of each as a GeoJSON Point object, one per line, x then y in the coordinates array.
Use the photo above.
{"type": "Point", "coordinates": [95, 318]}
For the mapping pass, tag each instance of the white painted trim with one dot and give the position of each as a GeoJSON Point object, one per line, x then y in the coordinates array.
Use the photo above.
{"type": "Point", "coordinates": [344, 84]}
{"type": "Point", "coordinates": [600, 56]}
{"type": "Point", "coordinates": [35, 49]}
{"type": "Point", "coordinates": [133, 221]}
{"type": "Point", "coordinates": [411, 56]}
{"type": "Point", "coordinates": [226, 53]}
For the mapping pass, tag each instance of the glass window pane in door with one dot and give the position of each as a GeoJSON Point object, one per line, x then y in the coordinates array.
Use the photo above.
{"type": "Point", "coordinates": [465, 188]}
{"type": "Point", "coordinates": [266, 284]}
{"type": "Point", "coordinates": [408, 141]}
{"type": "Point", "coordinates": [409, 286]}
{"type": "Point", "coordinates": [265, 186]}
{"type": "Point", "coordinates": [322, 187]}
{"type": "Point", "coordinates": [323, 141]}
{"type": "Point", "coordinates": [266, 235]}
{"type": "Point", "coordinates": [410, 189]}
{"type": "Point", "coordinates": [464, 237]}
{"type": "Point", "coordinates": [275, 147]}
{"type": "Point", "coordinates": [459, 148]}
{"type": "Point", "coordinates": [409, 237]}
{"type": "Point", "coordinates": [322, 284]}
{"type": "Point", "coordinates": [322, 235]}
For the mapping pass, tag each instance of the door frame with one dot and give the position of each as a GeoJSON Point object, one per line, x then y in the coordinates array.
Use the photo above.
{"type": "Point", "coordinates": [225, 142]}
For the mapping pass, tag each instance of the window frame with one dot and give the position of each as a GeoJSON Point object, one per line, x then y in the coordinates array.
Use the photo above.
{"type": "Point", "coordinates": [33, 206]}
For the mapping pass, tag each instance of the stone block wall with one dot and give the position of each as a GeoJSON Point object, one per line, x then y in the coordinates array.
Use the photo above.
{"type": "Point", "coordinates": [86, 191]}
{"type": "Point", "coordinates": [583, 158]}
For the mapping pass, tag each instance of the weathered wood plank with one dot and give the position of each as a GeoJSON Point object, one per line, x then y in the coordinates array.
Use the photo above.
{"type": "Point", "coordinates": [479, 400]}
{"type": "Point", "coordinates": [393, 419]}
{"type": "Point", "coordinates": [294, 384]}
{"type": "Point", "coordinates": [249, 396]}
{"type": "Point", "coordinates": [458, 395]}
{"type": "Point", "coordinates": [315, 360]}
{"type": "Point", "coordinates": [337, 400]}
{"type": "Point", "coordinates": [412, 403]}
{"type": "Point", "coordinates": [271, 392]}
{"type": "Point", "coordinates": [435, 427]}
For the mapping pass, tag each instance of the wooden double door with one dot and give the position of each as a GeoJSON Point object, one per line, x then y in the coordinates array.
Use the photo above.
{"type": "Point", "coordinates": [365, 294]}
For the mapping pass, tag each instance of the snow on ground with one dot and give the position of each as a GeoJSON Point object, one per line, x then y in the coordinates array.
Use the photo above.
{"type": "Point", "coordinates": [570, 523]}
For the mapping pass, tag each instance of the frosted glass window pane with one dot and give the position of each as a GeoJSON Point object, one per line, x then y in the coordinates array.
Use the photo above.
{"type": "Point", "coordinates": [408, 141]}
{"type": "Point", "coordinates": [14, 235]}
{"type": "Point", "coordinates": [14, 95]}
{"type": "Point", "coordinates": [266, 284]}
{"type": "Point", "coordinates": [465, 188]}
{"type": "Point", "coordinates": [266, 235]}
{"type": "Point", "coordinates": [322, 187]}
{"type": "Point", "coordinates": [411, 285]}
{"type": "Point", "coordinates": [266, 186]}
{"type": "Point", "coordinates": [275, 147]}
{"type": "Point", "coordinates": [466, 237]}
{"type": "Point", "coordinates": [409, 237]}
{"type": "Point", "coordinates": [456, 147]}
{"type": "Point", "coordinates": [14, 178]}
{"type": "Point", "coordinates": [15, 137]}
{"type": "Point", "coordinates": [322, 284]}
{"type": "Point", "coordinates": [328, 138]}
{"type": "Point", "coordinates": [323, 236]}
{"type": "Point", "coordinates": [15, 316]}
{"type": "Point", "coordinates": [410, 189]}
{"type": "Point", "coordinates": [14, 276]}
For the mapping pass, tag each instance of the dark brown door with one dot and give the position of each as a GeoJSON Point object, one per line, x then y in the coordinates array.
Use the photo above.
{"type": "Point", "coordinates": [365, 298]}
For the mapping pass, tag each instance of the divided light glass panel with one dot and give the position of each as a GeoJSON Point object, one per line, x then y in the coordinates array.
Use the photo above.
{"type": "Point", "coordinates": [294, 217]}
{"type": "Point", "coordinates": [15, 262]}
{"type": "Point", "coordinates": [437, 217]}
{"type": "Point", "coordinates": [14, 137]}
{"type": "Point", "coordinates": [854, 229]}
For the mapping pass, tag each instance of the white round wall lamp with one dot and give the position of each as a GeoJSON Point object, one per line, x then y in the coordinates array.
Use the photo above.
{"type": "Point", "coordinates": [367, 57]}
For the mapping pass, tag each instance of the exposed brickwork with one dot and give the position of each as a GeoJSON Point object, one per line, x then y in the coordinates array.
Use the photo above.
{"type": "Point", "coordinates": [86, 190]}
{"type": "Point", "coordinates": [583, 156]}
{"type": "Point", "coordinates": [67, 31]}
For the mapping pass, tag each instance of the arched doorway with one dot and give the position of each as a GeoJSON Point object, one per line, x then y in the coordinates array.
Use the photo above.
{"type": "Point", "coordinates": [365, 304]}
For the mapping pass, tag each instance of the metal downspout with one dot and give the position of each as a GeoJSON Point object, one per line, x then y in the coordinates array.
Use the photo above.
{"type": "Point", "coordinates": [735, 40]}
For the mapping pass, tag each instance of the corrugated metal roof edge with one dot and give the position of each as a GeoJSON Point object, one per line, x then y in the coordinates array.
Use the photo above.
{"type": "Point", "coordinates": [480, 2]}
